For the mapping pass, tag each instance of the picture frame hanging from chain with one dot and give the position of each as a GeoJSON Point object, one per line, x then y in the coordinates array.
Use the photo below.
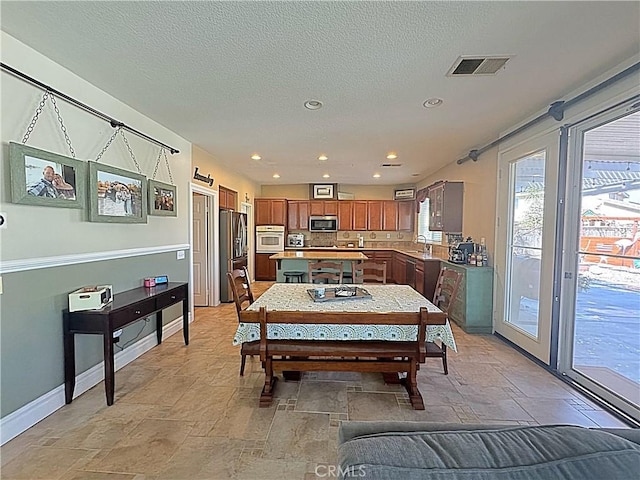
{"type": "Point", "coordinates": [116, 195]}
{"type": "Point", "coordinates": [46, 179]}
{"type": "Point", "coordinates": [162, 199]}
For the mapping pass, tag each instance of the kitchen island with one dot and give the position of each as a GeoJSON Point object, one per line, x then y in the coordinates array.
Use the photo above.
{"type": "Point", "coordinates": [298, 260]}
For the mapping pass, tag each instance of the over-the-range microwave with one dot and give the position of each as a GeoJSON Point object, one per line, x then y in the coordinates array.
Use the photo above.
{"type": "Point", "coordinates": [327, 223]}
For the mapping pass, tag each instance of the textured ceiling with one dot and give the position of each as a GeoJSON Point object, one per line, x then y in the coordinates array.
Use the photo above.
{"type": "Point", "coordinates": [232, 77]}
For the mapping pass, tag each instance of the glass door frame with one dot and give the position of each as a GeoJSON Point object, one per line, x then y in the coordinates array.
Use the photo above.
{"type": "Point", "coordinates": [570, 257]}
{"type": "Point", "coordinates": [540, 346]}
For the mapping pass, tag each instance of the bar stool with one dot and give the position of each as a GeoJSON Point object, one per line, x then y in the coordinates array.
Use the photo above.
{"type": "Point", "coordinates": [289, 277]}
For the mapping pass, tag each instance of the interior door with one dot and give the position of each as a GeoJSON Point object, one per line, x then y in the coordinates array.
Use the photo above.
{"type": "Point", "coordinates": [200, 257]}
{"type": "Point", "coordinates": [525, 244]}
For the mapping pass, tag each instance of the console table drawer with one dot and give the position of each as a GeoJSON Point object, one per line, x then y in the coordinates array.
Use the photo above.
{"type": "Point", "coordinates": [139, 310]}
{"type": "Point", "coordinates": [170, 298]}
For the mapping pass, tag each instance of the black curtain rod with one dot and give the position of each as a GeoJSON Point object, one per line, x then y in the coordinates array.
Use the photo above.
{"type": "Point", "coordinates": [114, 123]}
{"type": "Point", "coordinates": [556, 110]}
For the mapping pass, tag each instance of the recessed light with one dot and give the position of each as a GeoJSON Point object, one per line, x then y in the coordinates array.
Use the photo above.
{"type": "Point", "coordinates": [323, 157]}
{"type": "Point", "coordinates": [432, 102]}
{"type": "Point", "coordinates": [255, 156]}
{"type": "Point", "coordinates": [275, 175]}
{"type": "Point", "coordinates": [313, 104]}
{"type": "Point", "coordinates": [326, 175]}
{"type": "Point", "coordinates": [392, 156]}
{"type": "Point", "coordinates": [376, 175]}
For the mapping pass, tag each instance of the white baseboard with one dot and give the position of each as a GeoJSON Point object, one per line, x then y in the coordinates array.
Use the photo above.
{"type": "Point", "coordinates": [24, 418]}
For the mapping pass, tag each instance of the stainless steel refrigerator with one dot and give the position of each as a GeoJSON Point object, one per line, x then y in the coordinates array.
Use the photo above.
{"type": "Point", "coordinates": [233, 248]}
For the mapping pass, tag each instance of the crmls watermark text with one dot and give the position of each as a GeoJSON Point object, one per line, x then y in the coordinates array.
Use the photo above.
{"type": "Point", "coordinates": [335, 471]}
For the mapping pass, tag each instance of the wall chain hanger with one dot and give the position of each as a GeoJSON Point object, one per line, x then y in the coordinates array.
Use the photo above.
{"type": "Point", "coordinates": [162, 152]}
{"type": "Point", "coordinates": [126, 142]}
{"type": "Point", "coordinates": [32, 125]}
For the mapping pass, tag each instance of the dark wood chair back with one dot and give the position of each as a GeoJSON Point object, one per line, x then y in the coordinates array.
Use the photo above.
{"type": "Point", "coordinates": [369, 272]}
{"type": "Point", "coordinates": [240, 288]}
{"type": "Point", "coordinates": [446, 289]}
{"type": "Point", "coordinates": [330, 271]}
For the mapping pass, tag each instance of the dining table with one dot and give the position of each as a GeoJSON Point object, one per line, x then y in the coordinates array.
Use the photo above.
{"type": "Point", "coordinates": [383, 298]}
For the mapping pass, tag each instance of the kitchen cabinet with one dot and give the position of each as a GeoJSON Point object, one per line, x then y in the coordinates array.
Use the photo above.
{"type": "Point", "coordinates": [473, 306]}
{"type": "Point", "coordinates": [228, 199]}
{"type": "Point", "coordinates": [400, 268]}
{"type": "Point", "coordinates": [390, 215]}
{"type": "Point", "coordinates": [323, 207]}
{"type": "Point", "coordinates": [265, 268]}
{"type": "Point", "coordinates": [271, 211]}
{"type": "Point", "coordinates": [410, 272]}
{"type": "Point", "coordinates": [420, 277]}
{"type": "Point", "coordinates": [298, 215]}
{"type": "Point", "coordinates": [345, 215]}
{"type": "Point", "coordinates": [360, 215]}
{"type": "Point", "coordinates": [445, 207]}
{"type": "Point", "coordinates": [374, 214]}
{"type": "Point", "coordinates": [406, 212]}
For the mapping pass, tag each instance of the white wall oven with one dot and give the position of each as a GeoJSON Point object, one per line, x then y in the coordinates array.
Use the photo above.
{"type": "Point", "coordinates": [269, 239]}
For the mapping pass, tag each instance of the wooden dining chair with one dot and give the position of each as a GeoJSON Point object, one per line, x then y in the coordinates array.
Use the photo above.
{"type": "Point", "coordinates": [444, 297]}
{"type": "Point", "coordinates": [242, 297]}
{"type": "Point", "coordinates": [325, 271]}
{"type": "Point", "coordinates": [369, 272]}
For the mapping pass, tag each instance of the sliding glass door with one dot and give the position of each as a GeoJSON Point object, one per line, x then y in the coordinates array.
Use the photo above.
{"type": "Point", "coordinates": [525, 235]}
{"type": "Point", "coordinates": [600, 315]}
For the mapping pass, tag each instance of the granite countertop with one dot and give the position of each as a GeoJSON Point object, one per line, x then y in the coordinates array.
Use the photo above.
{"type": "Point", "coordinates": [417, 254]}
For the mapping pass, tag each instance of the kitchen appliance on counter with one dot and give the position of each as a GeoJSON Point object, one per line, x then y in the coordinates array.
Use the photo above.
{"type": "Point", "coordinates": [233, 248]}
{"type": "Point", "coordinates": [326, 223]}
{"type": "Point", "coordinates": [295, 240]}
{"type": "Point", "coordinates": [460, 252]}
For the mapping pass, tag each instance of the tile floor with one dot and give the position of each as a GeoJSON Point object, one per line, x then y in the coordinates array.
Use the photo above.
{"type": "Point", "coordinates": [185, 413]}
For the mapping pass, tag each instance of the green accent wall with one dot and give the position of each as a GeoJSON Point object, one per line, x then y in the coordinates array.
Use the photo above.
{"type": "Point", "coordinates": [31, 353]}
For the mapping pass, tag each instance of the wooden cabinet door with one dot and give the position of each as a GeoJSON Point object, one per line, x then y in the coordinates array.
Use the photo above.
{"type": "Point", "coordinates": [232, 200]}
{"type": "Point", "coordinates": [316, 207]}
{"type": "Point", "coordinates": [293, 218]}
{"type": "Point", "coordinates": [345, 215]}
{"type": "Point", "coordinates": [278, 212]}
{"type": "Point", "coordinates": [419, 277]}
{"type": "Point", "coordinates": [406, 211]}
{"type": "Point", "coordinates": [331, 207]}
{"type": "Point", "coordinates": [360, 215]}
{"type": "Point", "coordinates": [390, 215]}
{"type": "Point", "coordinates": [303, 215]}
{"type": "Point", "coordinates": [436, 197]}
{"type": "Point", "coordinates": [400, 261]}
{"type": "Point", "coordinates": [263, 211]}
{"type": "Point", "coordinates": [374, 213]}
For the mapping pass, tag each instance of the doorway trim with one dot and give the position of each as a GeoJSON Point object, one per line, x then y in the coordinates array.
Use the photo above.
{"type": "Point", "coordinates": [213, 266]}
{"type": "Point", "coordinates": [246, 207]}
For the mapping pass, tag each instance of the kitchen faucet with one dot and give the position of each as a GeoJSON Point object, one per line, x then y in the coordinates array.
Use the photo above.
{"type": "Point", "coordinates": [424, 248]}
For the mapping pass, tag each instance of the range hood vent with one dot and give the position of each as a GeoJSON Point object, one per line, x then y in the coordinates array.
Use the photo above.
{"type": "Point", "coordinates": [486, 65]}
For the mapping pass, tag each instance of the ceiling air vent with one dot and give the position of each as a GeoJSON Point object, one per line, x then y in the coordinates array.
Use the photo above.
{"type": "Point", "coordinates": [391, 164]}
{"type": "Point", "coordinates": [487, 65]}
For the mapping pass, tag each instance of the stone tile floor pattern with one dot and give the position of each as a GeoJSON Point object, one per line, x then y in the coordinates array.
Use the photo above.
{"type": "Point", "coordinates": [185, 413]}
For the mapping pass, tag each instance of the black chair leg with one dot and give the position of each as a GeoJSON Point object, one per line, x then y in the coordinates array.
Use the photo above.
{"type": "Point", "coordinates": [244, 359]}
{"type": "Point", "coordinates": [444, 359]}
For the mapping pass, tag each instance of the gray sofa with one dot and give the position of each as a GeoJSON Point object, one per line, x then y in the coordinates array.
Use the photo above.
{"type": "Point", "coordinates": [419, 450]}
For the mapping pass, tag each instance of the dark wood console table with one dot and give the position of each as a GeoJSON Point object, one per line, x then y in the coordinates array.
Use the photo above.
{"type": "Point", "coordinates": [126, 308]}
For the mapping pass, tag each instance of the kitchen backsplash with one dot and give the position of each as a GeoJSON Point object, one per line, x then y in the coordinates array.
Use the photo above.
{"type": "Point", "coordinates": [372, 239]}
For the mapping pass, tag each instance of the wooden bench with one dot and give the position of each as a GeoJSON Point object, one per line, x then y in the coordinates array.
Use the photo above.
{"type": "Point", "coordinates": [384, 356]}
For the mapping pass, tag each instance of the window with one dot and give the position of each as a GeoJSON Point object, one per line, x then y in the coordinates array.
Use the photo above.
{"type": "Point", "coordinates": [423, 224]}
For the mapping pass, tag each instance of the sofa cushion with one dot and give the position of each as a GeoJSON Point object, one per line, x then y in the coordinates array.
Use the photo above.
{"type": "Point", "coordinates": [514, 453]}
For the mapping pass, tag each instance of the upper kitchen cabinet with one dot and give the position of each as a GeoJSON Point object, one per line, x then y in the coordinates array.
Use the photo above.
{"type": "Point", "coordinates": [390, 215]}
{"type": "Point", "coordinates": [271, 211]}
{"type": "Point", "coordinates": [406, 212]}
{"type": "Point", "coordinates": [323, 207]}
{"type": "Point", "coordinates": [360, 215]}
{"type": "Point", "coordinates": [228, 198]}
{"type": "Point", "coordinates": [445, 207]}
{"type": "Point", "coordinates": [375, 212]}
{"type": "Point", "coordinates": [345, 215]}
{"type": "Point", "coordinates": [298, 214]}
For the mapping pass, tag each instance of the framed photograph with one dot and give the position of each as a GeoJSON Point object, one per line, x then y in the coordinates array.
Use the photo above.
{"type": "Point", "coordinates": [324, 191]}
{"type": "Point", "coordinates": [162, 199]}
{"type": "Point", "coordinates": [43, 178]}
{"type": "Point", "coordinates": [116, 195]}
{"type": "Point", "coordinates": [404, 194]}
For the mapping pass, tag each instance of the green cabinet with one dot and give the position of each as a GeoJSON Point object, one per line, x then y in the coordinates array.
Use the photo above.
{"type": "Point", "coordinates": [473, 308]}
